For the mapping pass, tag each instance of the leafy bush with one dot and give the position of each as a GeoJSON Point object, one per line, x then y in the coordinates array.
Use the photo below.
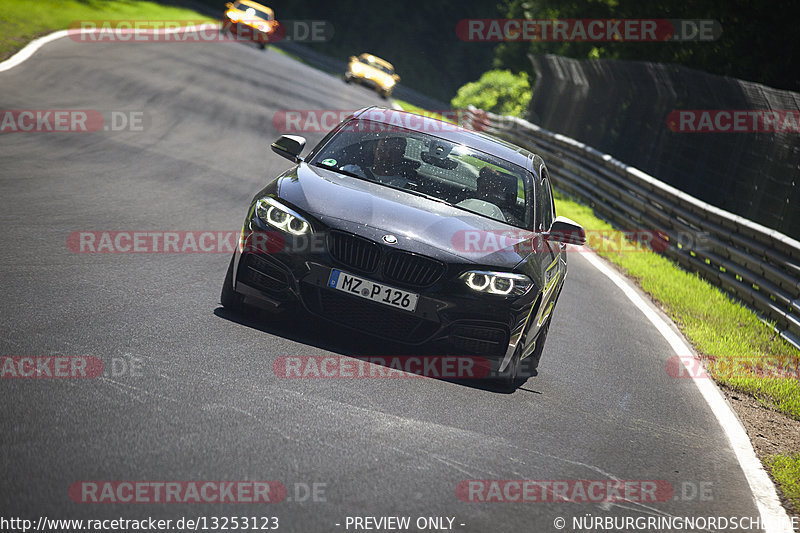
{"type": "Point", "coordinates": [498, 91]}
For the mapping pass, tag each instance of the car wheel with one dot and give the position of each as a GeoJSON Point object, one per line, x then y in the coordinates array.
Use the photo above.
{"type": "Point", "coordinates": [230, 299]}
{"type": "Point", "coordinates": [509, 379]}
{"type": "Point", "coordinates": [536, 356]}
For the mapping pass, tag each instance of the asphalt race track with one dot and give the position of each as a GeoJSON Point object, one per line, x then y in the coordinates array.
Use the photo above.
{"type": "Point", "coordinates": [189, 392]}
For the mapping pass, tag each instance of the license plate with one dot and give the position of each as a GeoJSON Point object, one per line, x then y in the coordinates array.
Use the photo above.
{"type": "Point", "coordinates": [377, 292]}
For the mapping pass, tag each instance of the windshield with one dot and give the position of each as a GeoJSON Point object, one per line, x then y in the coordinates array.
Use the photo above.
{"type": "Point", "coordinates": [429, 166]}
{"type": "Point", "coordinates": [251, 11]}
{"type": "Point", "coordinates": [375, 64]}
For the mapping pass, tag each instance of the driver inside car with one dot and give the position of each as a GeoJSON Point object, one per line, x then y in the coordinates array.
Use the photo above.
{"type": "Point", "coordinates": [389, 165]}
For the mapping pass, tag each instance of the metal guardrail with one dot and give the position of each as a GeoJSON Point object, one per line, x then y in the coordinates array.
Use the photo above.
{"type": "Point", "coordinates": [755, 264]}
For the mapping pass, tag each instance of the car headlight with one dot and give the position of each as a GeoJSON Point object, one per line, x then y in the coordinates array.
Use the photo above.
{"type": "Point", "coordinates": [277, 215]}
{"type": "Point", "coordinates": [501, 283]}
{"type": "Point", "coordinates": [233, 15]}
{"type": "Point", "coordinates": [389, 82]}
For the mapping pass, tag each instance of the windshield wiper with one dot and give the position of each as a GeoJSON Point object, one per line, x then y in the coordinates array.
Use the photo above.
{"type": "Point", "coordinates": [417, 193]}
{"type": "Point", "coordinates": [340, 171]}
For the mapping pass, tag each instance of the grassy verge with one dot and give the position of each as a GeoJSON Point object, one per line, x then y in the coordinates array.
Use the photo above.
{"type": "Point", "coordinates": [742, 352]}
{"type": "Point", "coordinates": [411, 108]}
{"type": "Point", "coordinates": [786, 470]}
{"type": "Point", "coordinates": [22, 22]}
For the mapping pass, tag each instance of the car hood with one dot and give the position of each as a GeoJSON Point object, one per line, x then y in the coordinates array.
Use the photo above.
{"type": "Point", "coordinates": [376, 74]}
{"type": "Point", "coordinates": [420, 224]}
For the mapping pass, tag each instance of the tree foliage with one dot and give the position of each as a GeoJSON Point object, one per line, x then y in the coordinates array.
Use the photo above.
{"type": "Point", "coordinates": [498, 91]}
{"type": "Point", "coordinates": [758, 42]}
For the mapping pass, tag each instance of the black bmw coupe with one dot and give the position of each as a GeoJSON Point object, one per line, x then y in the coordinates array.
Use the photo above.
{"type": "Point", "coordinates": [411, 229]}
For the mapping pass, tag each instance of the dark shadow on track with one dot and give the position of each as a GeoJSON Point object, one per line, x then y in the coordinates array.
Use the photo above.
{"type": "Point", "coordinates": [294, 326]}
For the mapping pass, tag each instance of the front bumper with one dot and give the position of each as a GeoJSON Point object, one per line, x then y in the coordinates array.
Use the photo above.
{"type": "Point", "coordinates": [369, 82]}
{"type": "Point", "coordinates": [292, 272]}
{"type": "Point", "coordinates": [247, 32]}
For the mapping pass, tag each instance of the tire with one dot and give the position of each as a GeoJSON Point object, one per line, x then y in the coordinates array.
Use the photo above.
{"type": "Point", "coordinates": [230, 299]}
{"type": "Point", "coordinates": [509, 379]}
{"type": "Point", "coordinates": [536, 356]}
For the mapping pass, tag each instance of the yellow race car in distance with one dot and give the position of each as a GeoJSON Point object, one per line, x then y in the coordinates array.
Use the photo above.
{"type": "Point", "coordinates": [372, 71]}
{"type": "Point", "coordinates": [250, 20]}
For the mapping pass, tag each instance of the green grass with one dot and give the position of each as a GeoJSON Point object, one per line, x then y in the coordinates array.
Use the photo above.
{"type": "Point", "coordinates": [741, 351]}
{"type": "Point", "coordinates": [786, 471]}
{"type": "Point", "coordinates": [22, 22]}
{"type": "Point", "coordinates": [411, 108]}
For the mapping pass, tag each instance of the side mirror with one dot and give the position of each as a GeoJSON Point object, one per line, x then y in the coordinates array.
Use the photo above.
{"type": "Point", "coordinates": [566, 231]}
{"type": "Point", "coordinates": [289, 146]}
{"type": "Point", "coordinates": [396, 78]}
{"type": "Point", "coordinates": [353, 58]}
{"type": "Point", "coordinates": [229, 5]}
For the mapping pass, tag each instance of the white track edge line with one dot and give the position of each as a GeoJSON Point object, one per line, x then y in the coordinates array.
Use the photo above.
{"type": "Point", "coordinates": [774, 518]}
{"type": "Point", "coordinates": [36, 44]}
{"type": "Point", "coordinates": [31, 49]}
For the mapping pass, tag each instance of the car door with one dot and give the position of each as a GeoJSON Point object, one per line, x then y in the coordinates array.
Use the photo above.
{"type": "Point", "coordinates": [555, 253]}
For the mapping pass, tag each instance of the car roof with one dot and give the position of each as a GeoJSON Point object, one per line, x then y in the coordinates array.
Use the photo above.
{"type": "Point", "coordinates": [457, 134]}
{"type": "Point", "coordinates": [376, 59]}
{"type": "Point", "coordinates": [256, 5]}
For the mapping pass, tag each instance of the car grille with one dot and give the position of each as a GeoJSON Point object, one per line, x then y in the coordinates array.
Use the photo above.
{"type": "Point", "coordinates": [398, 266]}
{"type": "Point", "coordinates": [477, 339]}
{"type": "Point", "coordinates": [370, 317]}
{"type": "Point", "coordinates": [412, 269]}
{"type": "Point", "coordinates": [356, 252]}
{"type": "Point", "coordinates": [261, 273]}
